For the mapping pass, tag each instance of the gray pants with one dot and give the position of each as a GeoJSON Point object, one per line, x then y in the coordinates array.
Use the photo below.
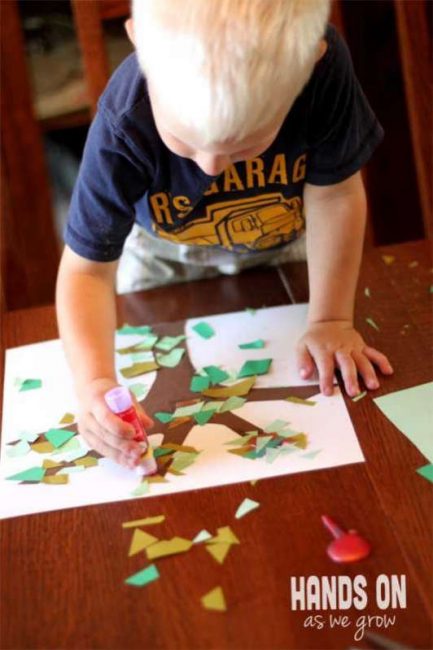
{"type": "Point", "coordinates": [148, 262]}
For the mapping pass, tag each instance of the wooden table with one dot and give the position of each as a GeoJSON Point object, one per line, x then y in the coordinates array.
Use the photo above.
{"type": "Point", "coordinates": [62, 573]}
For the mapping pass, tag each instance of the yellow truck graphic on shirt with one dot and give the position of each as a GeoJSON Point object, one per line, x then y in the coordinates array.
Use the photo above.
{"type": "Point", "coordinates": [255, 223]}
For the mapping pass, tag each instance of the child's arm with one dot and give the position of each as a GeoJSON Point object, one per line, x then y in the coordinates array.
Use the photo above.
{"type": "Point", "coordinates": [336, 217]}
{"type": "Point", "coordinates": [86, 313]}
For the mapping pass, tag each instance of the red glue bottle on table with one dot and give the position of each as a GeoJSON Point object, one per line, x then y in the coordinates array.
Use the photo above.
{"type": "Point", "coordinates": [119, 401]}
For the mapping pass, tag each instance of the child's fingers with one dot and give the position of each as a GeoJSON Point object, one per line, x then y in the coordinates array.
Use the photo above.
{"type": "Point", "coordinates": [125, 445]}
{"type": "Point", "coordinates": [366, 370]}
{"type": "Point", "coordinates": [304, 361]}
{"type": "Point", "coordinates": [145, 420]}
{"type": "Point", "coordinates": [91, 433]}
{"type": "Point", "coordinates": [379, 359]}
{"type": "Point", "coordinates": [325, 366]}
{"type": "Point", "coordinates": [348, 372]}
{"type": "Point", "coordinates": [110, 422]}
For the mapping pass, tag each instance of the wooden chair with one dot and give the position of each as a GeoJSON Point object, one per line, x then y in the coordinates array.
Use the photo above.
{"type": "Point", "coordinates": [89, 16]}
{"type": "Point", "coordinates": [416, 56]}
{"type": "Point", "coordinates": [28, 246]}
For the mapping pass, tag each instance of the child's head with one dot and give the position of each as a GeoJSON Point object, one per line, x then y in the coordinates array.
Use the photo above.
{"type": "Point", "coordinates": [226, 71]}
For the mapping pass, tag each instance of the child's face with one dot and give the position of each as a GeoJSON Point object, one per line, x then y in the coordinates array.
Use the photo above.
{"type": "Point", "coordinates": [214, 158]}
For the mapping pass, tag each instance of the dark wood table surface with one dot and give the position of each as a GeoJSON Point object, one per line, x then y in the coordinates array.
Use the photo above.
{"type": "Point", "coordinates": [62, 573]}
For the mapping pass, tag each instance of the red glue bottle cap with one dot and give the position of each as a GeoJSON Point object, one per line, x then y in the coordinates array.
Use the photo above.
{"type": "Point", "coordinates": [118, 399]}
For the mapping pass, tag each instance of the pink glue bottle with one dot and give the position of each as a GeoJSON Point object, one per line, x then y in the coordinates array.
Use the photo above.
{"type": "Point", "coordinates": [119, 401]}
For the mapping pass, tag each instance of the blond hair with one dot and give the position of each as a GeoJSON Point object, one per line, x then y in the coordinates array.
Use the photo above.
{"type": "Point", "coordinates": [227, 68]}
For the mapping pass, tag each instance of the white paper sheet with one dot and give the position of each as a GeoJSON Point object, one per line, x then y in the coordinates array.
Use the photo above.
{"type": "Point", "coordinates": [280, 327]}
{"type": "Point", "coordinates": [326, 424]}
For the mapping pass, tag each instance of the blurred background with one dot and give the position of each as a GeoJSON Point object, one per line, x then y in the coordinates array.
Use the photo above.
{"type": "Point", "coordinates": [57, 56]}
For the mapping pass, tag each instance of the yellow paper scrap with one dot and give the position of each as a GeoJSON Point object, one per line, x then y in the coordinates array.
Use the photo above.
{"type": "Point", "coordinates": [68, 418]}
{"type": "Point", "coordinates": [148, 521]}
{"type": "Point", "coordinates": [235, 390]}
{"type": "Point", "coordinates": [56, 479]}
{"type": "Point", "coordinates": [219, 551]}
{"type": "Point", "coordinates": [388, 259]}
{"type": "Point", "coordinates": [225, 535]}
{"type": "Point", "coordinates": [47, 463]}
{"type": "Point", "coordinates": [139, 368]}
{"type": "Point", "coordinates": [86, 461]}
{"type": "Point", "coordinates": [214, 600]}
{"type": "Point", "coordinates": [43, 447]}
{"type": "Point", "coordinates": [140, 540]}
{"type": "Point", "coordinates": [168, 547]}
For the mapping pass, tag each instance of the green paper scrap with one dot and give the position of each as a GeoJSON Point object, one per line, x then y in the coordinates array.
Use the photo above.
{"type": "Point", "coordinates": [253, 345]}
{"type": "Point", "coordinates": [426, 471]}
{"type": "Point", "coordinates": [411, 411]}
{"type": "Point", "coordinates": [147, 342]}
{"type": "Point", "coordinates": [242, 440]}
{"type": "Point", "coordinates": [276, 426]}
{"type": "Point", "coordinates": [251, 311]}
{"type": "Point", "coordinates": [311, 454]}
{"type": "Point", "coordinates": [431, 288]}
{"type": "Point", "coordinates": [33, 475]}
{"type": "Point", "coordinates": [359, 396]}
{"type": "Point", "coordinates": [72, 470]}
{"type": "Point", "coordinates": [145, 345]}
{"type": "Point", "coordinates": [199, 383]}
{"type": "Point", "coordinates": [20, 449]}
{"type": "Point", "coordinates": [140, 390]}
{"type": "Point", "coordinates": [139, 369]}
{"type": "Point", "coordinates": [214, 404]}
{"type": "Point", "coordinates": [73, 444]}
{"type": "Point", "coordinates": [186, 411]}
{"type": "Point", "coordinates": [204, 416]}
{"type": "Point", "coordinates": [367, 292]}
{"type": "Point", "coordinates": [299, 400]}
{"type": "Point", "coordinates": [163, 416]}
{"type": "Point", "coordinates": [205, 330]}
{"type": "Point", "coordinates": [255, 367]}
{"type": "Point", "coordinates": [76, 454]}
{"type": "Point", "coordinates": [262, 441]}
{"type": "Point", "coordinates": [131, 329]}
{"type": "Point", "coordinates": [287, 449]}
{"type": "Point", "coordinates": [30, 384]}
{"type": "Point", "coordinates": [28, 436]}
{"type": "Point", "coordinates": [142, 488]}
{"type": "Point", "coordinates": [167, 343]}
{"type": "Point", "coordinates": [372, 324]}
{"type": "Point", "coordinates": [58, 437]}
{"type": "Point", "coordinates": [182, 460]}
{"type": "Point", "coordinates": [171, 359]}
{"type": "Point", "coordinates": [202, 536]}
{"type": "Point", "coordinates": [216, 375]}
{"type": "Point", "coordinates": [232, 403]}
{"type": "Point", "coordinates": [161, 451]}
{"type": "Point", "coordinates": [138, 357]}
{"type": "Point", "coordinates": [247, 505]}
{"type": "Point", "coordinates": [271, 454]}
{"type": "Point", "coordinates": [143, 577]}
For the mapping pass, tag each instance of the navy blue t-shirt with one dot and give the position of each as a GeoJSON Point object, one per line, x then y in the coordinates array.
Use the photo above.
{"type": "Point", "coordinates": [127, 173]}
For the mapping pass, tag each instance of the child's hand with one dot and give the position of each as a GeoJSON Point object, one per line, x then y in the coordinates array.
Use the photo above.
{"type": "Point", "coordinates": [104, 431]}
{"type": "Point", "coordinates": [336, 343]}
